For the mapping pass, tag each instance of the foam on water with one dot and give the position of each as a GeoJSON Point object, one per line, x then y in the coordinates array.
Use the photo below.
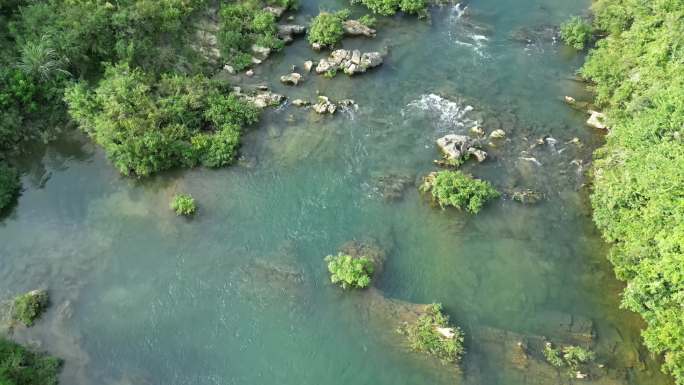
{"type": "Point", "coordinates": [447, 113]}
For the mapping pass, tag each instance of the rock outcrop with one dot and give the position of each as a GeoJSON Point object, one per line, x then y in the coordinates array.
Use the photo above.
{"type": "Point", "coordinates": [596, 120]}
{"type": "Point", "coordinates": [351, 62]}
{"type": "Point", "coordinates": [459, 147]}
{"type": "Point", "coordinates": [261, 98]}
{"type": "Point", "coordinates": [291, 79]}
{"type": "Point", "coordinates": [356, 28]}
{"type": "Point", "coordinates": [287, 32]}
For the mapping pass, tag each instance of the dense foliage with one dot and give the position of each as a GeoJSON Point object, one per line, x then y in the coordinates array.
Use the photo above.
{"type": "Point", "coordinates": [147, 124]}
{"type": "Point", "coordinates": [245, 24]}
{"type": "Point", "coordinates": [576, 32]}
{"type": "Point", "coordinates": [424, 335]}
{"type": "Point", "coordinates": [9, 184]}
{"type": "Point", "coordinates": [20, 366]}
{"type": "Point", "coordinates": [27, 308]}
{"type": "Point", "coordinates": [638, 196]}
{"type": "Point", "coordinates": [326, 28]}
{"type": "Point", "coordinates": [453, 188]}
{"type": "Point", "coordinates": [391, 7]}
{"type": "Point", "coordinates": [350, 272]}
{"type": "Point", "coordinates": [183, 204]}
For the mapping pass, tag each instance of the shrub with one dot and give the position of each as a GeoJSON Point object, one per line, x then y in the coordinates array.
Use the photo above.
{"type": "Point", "coordinates": [27, 308]}
{"type": "Point", "coordinates": [391, 7]}
{"type": "Point", "coordinates": [453, 188]}
{"type": "Point", "coordinates": [20, 366]}
{"type": "Point", "coordinates": [415, 7]}
{"type": "Point", "coordinates": [147, 124]}
{"type": "Point", "coordinates": [424, 335]}
{"type": "Point", "coordinates": [571, 357]}
{"type": "Point", "coordinates": [9, 184]}
{"type": "Point", "coordinates": [326, 28]}
{"type": "Point", "coordinates": [368, 20]}
{"type": "Point", "coordinates": [576, 32]}
{"type": "Point", "coordinates": [350, 272]}
{"type": "Point", "coordinates": [183, 204]}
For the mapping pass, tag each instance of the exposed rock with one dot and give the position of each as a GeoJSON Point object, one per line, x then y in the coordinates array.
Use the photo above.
{"type": "Point", "coordinates": [497, 134]}
{"type": "Point", "coordinates": [347, 103]}
{"type": "Point", "coordinates": [597, 120]}
{"type": "Point", "coordinates": [249, 73]}
{"type": "Point", "coordinates": [477, 130]}
{"type": "Point", "coordinates": [262, 87]}
{"type": "Point", "coordinates": [276, 11]}
{"type": "Point", "coordinates": [458, 147]}
{"type": "Point", "coordinates": [351, 62]}
{"type": "Point", "coordinates": [287, 32]}
{"type": "Point", "coordinates": [256, 60]}
{"type": "Point", "coordinates": [300, 103]}
{"type": "Point", "coordinates": [317, 46]}
{"type": "Point", "coordinates": [262, 98]}
{"type": "Point", "coordinates": [324, 106]}
{"type": "Point", "coordinates": [259, 50]}
{"type": "Point", "coordinates": [446, 332]}
{"type": "Point", "coordinates": [229, 69]}
{"type": "Point", "coordinates": [308, 65]}
{"type": "Point", "coordinates": [356, 28]}
{"type": "Point", "coordinates": [292, 79]}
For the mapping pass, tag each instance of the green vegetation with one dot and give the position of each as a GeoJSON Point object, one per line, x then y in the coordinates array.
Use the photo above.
{"type": "Point", "coordinates": [183, 204]}
{"type": "Point", "coordinates": [638, 197]}
{"type": "Point", "coordinates": [326, 28]}
{"type": "Point", "coordinates": [27, 308]}
{"type": "Point", "coordinates": [244, 24]}
{"type": "Point", "coordinates": [20, 366]}
{"type": "Point", "coordinates": [350, 272]}
{"type": "Point", "coordinates": [391, 7]}
{"type": "Point", "coordinates": [576, 32]}
{"type": "Point", "coordinates": [368, 20]}
{"type": "Point", "coordinates": [9, 184]}
{"type": "Point", "coordinates": [453, 188]}
{"type": "Point", "coordinates": [571, 358]}
{"type": "Point", "coordinates": [432, 334]}
{"type": "Point", "coordinates": [148, 124]}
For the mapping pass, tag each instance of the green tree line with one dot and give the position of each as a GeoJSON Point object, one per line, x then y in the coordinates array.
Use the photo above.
{"type": "Point", "coordinates": [638, 197]}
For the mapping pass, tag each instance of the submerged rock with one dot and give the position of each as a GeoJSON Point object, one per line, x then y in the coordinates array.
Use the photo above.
{"type": "Point", "coordinates": [497, 134]}
{"type": "Point", "coordinates": [287, 32]}
{"type": "Point", "coordinates": [392, 186]}
{"type": "Point", "coordinates": [527, 196]}
{"type": "Point", "coordinates": [261, 98]}
{"type": "Point", "coordinates": [356, 28]}
{"type": "Point", "coordinates": [351, 62]}
{"type": "Point", "coordinates": [368, 248]}
{"type": "Point", "coordinates": [536, 34]}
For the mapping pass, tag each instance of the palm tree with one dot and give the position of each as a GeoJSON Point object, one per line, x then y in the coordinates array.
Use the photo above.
{"type": "Point", "coordinates": [40, 60]}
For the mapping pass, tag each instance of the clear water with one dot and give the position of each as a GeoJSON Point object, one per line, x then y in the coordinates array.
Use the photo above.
{"type": "Point", "coordinates": [143, 297]}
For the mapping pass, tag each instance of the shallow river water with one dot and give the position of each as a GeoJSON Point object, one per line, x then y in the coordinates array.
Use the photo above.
{"type": "Point", "coordinates": [239, 294]}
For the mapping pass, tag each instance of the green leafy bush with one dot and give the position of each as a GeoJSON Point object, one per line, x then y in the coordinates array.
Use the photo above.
{"type": "Point", "coordinates": [183, 204]}
{"type": "Point", "coordinates": [391, 7]}
{"type": "Point", "coordinates": [432, 334]}
{"type": "Point", "coordinates": [576, 32]}
{"type": "Point", "coordinates": [27, 308]}
{"type": "Point", "coordinates": [20, 366]}
{"type": "Point", "coordinates": [639, 174]}
{"type": "Point", "coordinates": [570, 357]}
{"type": "Point", "coordinates": [326, 28]}
{"type": "Point", "coordinates": [368, 20]}
{"type": "Point", "coordinates": [350, 272]}
{"type": "Point", "coordinates": [147, 124]}
{"type": "Point", "coordinates": [9, 184]}
{"type": "Point", "coordinates": [453, 188]}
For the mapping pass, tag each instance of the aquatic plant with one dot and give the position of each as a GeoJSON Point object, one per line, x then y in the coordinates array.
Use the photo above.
{"type": "Point", "coordinates": [183, 204]}
{"type": "Point", "coordinates": [453, 188]}
{"type": "Point", "coordinates": [326, 28]}
{"type": "Point", "coordinates": [9, 184]}
{"type": "Point", "coordinates": [576, 32]}
{"type": "Point", "coordinates": [639, 174]}
{"type": "Point", "coordinates": [27, 308]}
{"type": "Point", "coordinates": [20, 366]}
{"type": "Point", "coordinates": [431, 334]}
{"type": "Point", "coordinates": [368, 20]}
{"type": "Point", "coordinates": [350, 272]}
{"type": "Point", "coordinates": [330, 74]}
{"type": "Point", "coordinates": [570, 357]}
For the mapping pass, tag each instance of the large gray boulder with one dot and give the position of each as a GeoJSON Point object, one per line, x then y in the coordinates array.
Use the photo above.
{"type": "Point", "coordinates": [458, 147]}
{"type": "Point", "coordinates": [351, 62]}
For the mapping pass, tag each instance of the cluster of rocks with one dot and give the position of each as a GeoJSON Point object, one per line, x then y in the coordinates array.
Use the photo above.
{"type": "Point", "coordinates": [262, 97]}
{"type": "Point", "coordinates": [460, 147]}
{"type": "Point", "coordinates": [351, 62]}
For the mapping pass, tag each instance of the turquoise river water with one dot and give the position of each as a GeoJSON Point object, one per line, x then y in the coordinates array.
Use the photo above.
{"type": "Point", "coordinates": [239, 294]}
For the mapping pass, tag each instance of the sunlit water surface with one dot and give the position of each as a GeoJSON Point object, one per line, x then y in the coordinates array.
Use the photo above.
{"type": "Point", "coordinates": [141, 296]}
